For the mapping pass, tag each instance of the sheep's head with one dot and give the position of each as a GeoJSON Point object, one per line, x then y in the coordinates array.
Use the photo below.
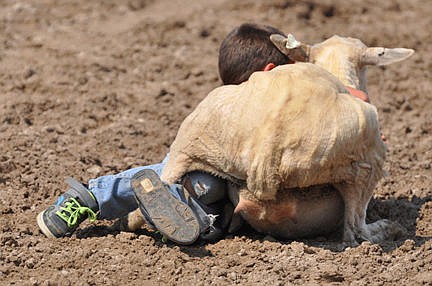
{"type": "Point", "coordinates": [346, 58]}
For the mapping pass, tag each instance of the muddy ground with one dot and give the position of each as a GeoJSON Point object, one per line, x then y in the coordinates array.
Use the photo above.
{"type": "Point", "coordinates": [95, 87]}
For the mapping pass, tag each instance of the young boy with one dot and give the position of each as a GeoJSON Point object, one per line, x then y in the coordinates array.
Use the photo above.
{"type": "Point", "coordinates": [178, 214]}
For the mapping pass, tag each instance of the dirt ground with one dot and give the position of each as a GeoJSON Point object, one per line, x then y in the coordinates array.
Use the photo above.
{"type": "Point", "coordinates": [95, 87]}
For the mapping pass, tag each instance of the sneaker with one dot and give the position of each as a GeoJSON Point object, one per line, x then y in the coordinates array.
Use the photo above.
{"type": "Point", "coordinates": [170, 216]}
{"type": "Point", "coordinates": [71, 209]}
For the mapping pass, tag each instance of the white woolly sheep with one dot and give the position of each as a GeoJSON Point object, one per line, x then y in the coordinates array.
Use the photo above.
{"type": "Point", "coordinates": [296, 126]}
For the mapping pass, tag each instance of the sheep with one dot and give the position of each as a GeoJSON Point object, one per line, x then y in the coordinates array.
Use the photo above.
{"type": "Point", "coordinates": [296, 127]}
{"type": "Point", "coordinates": [301, 154]}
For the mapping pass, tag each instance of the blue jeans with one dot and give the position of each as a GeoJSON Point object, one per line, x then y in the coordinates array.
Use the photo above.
{"type": "Point", "coordinates": [114, 193]}
{"type": "Point", "coordinates": [116, 198]}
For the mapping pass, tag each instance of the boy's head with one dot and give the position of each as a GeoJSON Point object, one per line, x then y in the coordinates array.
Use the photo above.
{"type": "Point", "coordinates": [248, 49]}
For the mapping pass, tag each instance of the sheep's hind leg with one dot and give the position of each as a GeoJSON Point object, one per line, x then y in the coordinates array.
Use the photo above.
{"type": "Point", "coordinates": [355, 229]}
{"type": "Point", "coordinates": [356, 196]}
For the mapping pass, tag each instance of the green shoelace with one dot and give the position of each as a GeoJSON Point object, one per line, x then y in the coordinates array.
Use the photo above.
{"type": "Point", "coordinates": [164, 238]}
{"type": "Point", "coordinates": [74, 211]}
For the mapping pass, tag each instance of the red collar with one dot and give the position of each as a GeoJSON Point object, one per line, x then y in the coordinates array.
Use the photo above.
{"type": "Point", "coordinates": [358, 93]}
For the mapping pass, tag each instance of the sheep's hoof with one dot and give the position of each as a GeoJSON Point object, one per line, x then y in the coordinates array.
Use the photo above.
{"type": "Point", "coordinates": [385, 230]}
{"type": "Point", "coordinates": [376, 232]}
{"type": "Point", "coordinates": [380, 231]}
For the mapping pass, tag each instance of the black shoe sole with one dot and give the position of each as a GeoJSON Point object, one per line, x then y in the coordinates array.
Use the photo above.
{"type": "Point", "coordinates": [171, 217]}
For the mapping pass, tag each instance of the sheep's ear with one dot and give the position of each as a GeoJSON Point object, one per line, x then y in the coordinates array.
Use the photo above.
{"type": "Point", "coordinates": [292, 48]}
{"type": "Point", "coordinates": [380, 56]}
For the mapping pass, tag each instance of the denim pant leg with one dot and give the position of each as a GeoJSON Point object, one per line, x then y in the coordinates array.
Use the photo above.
{"type": "Point", "coordinates": [116, 198]}
{"type": "Point", "coordinates": [114, 193]}
{"type": "Point", "coordinates": [207, 188]}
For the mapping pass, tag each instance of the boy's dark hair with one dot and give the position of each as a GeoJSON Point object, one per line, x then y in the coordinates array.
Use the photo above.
{"type": "Point", "coordinates": [248, 49]}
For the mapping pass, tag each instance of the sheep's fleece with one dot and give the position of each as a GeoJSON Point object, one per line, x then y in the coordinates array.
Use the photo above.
{"type": "Point", "coordinates": [293, 126]}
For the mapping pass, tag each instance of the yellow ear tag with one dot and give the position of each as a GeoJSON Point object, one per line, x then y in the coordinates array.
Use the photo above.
{"type": "Point", "coordinates": [291, 42]}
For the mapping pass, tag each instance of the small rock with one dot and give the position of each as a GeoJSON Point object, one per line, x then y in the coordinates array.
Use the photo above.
{"type": "Point", "coordinates": [94, 170]}
{"type": "Point", "coordinates": [298, 247]}
{"type": "Point", "coordinates": [82, 80]}
{"type": "Point", "coordinates": [30, 263]}
{"type": "Point", "coordinates": [37, 41]}
{"type": "Point", "coordinates": [242, 252]}
{"type": "Point", "coordinates": [124, 236]}
{"type": "Point", "coordinates": [28, 73]}
{"type": "Point", "coordinates": [407, 246]}
{"type": "Point", "coordinates": [204, 33]}
{"type": "Point", "coordinates": [49, 129]}
{"type": "Point", "coordinates": [425, 165]}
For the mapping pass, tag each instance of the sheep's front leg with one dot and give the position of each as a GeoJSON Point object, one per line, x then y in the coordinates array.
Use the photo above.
{"type": "Point", "coordinates": [356, 196]}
